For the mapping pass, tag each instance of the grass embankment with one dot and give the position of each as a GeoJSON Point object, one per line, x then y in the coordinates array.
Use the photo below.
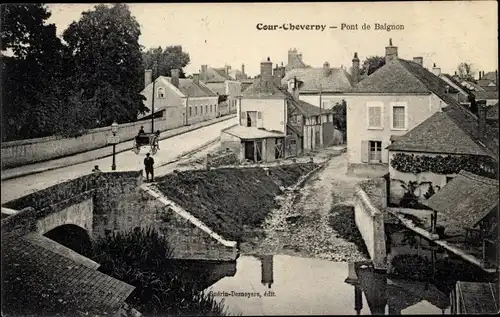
{"type": "Point", "coordinates": [142, 258]}
{"type": "Point", "coordinates": [342, 221]}
{"type": "Point", "coordinates": [232, 202]}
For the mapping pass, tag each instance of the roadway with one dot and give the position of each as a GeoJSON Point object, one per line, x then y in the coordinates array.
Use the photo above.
{"type": "Point", "coordinates": [170, 149]}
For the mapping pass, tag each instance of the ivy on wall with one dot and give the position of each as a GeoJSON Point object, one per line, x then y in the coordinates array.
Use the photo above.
{"type": "Point", "coordinates": [415, 164]}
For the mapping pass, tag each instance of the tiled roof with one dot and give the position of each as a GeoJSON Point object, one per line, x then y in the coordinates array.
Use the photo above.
{"type": "Point", "coordinates": [493, 112]}
{"type": "Point", "coordinates": [37, 281]}
{"type": "Point", "coordinates": [215, 75]}
{"type": "Point", "coordinates": [490, 76]}
{"type": "Point", "coordinates": [467, 198]}
{"type": "Point", "coordinates": [456, 85]}
{"type": "Point", "coordinates": [307, 109]}
{"type": "Point", "coordinates": [186, 86]}
{"type": "Point", "coordinates": [337, 81]}
{"type": "Point", "coordinates": [475, 86]}
{"type": "Point", "coordinates": [481, 95]}
{"type": "Point", "coordinates": [440, 133]}
{"type": "Point", "coordinates": [490, 88]}
{"type": "Point", "coordinates": [263, 90]}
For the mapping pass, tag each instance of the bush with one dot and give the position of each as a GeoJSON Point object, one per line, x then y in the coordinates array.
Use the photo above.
{"type": "Point", "coordinates": [142, 258]}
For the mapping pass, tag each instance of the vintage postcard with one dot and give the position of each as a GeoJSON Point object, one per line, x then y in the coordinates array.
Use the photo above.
{"type": "Point", "coordinates": [194, 159]}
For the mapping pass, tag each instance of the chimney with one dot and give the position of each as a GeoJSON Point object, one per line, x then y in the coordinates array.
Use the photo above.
{"type": "Point", "coordinates": [292, 55]}
{"type": "Point", "coordinates": [326, 69]}
{"type": "Point", "coordinates": [391, 52]}
{"type": "Point", "coordinates": [243, 68]}
{"type": "Point", "coordinates": [196, 79]}
{"type": "Point", "coordinates": [148, 77]}
{"type": "Point", "coordinates": [174, 77]}
{"type": "Point", "coordinates": [436, 70]}
{"type": "Point", "coordinates": [480, 75]}
{"type": "Point", "coordinates": [204, 72]}
{"type": "Point", "coordinates": [227, 68]}
{"type": "Point", "coordinates": [266, 71]}
{"type": "Point", "coordinates": [419, 60]}
{"type": "Point", "coordinates": [293, 87]}
{"type": "Point", "coordinates": [355, 68]}
{"type": "Point", "coordinates": [481, 115]}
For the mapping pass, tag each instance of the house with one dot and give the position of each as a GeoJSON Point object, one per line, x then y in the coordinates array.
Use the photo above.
{"type": "Point", "coordinates": [181, 101]}
{"type": "Point", "coordinates": [488, 81]}
{"type": "Point", "coordinates": [265, 131]}
{"type": "Point", "coordinates": [324, 84]}
{"type": "Point", "coordinates": [436, 150]}
{"type": "Point", "coordinates": [386, 105]}
{"type": "Point", "coordinates": [220, 81]}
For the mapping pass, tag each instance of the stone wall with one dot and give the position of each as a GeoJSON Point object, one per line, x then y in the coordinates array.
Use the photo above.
{"type": "Point", "coordinates": [123, 208]}
{"type": "Point", "coordinates": [22, 152]}
{"type": "Point", "coordinates": [370, 222]}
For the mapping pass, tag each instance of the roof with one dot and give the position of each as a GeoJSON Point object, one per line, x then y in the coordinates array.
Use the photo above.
{"type": "Point", "coordinates": [441, 133]}
{"type": "Point", "coordinates": [307, 109]}
{"type": "Point", "coordinates": [467, 198]}
{"type": "Point", "coordinates": [456, 84]}
{"type": "Point", "coordinates": [54, 284]}
{"type": "Point", "coordinates": [493, 112]}
{"type": "Point", "coordinates": [215, 75]}
{"type": "Point", "coordinates": [481, 95]}
{"type": "Point", "coordinates": [186, 86]}
{"type": "Point", "coordinates": [490, 76]}
{"type": "Point", "coordinates": [260, 89]}
{"type": "Point", "coordinates": [251, 133]}
{"type": "Point", "coordinates": [474, 86]}
{"type": "Point", "coordinates": [338, 79]}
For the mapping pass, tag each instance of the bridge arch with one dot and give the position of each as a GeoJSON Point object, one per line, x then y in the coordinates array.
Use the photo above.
{"type": "Point", "coordinates": [72, 236]}
{"type": "Point", "coordinates": [79, 214]}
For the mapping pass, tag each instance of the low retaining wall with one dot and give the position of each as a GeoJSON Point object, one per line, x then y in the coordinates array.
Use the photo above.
{"type": "Point", "coordinates": [22, 152]}
{"type": "Point", "coordinates": [370, 222]}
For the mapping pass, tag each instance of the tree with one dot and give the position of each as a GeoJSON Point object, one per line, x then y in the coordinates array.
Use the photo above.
{"type": "Point", "coordinates": [340, 116]}
{"type": "Point", "coordinates": [31, 96]}
{"type": "Point", "coordinates": [465, 71]}
{"type": "Point", "coordinates": [172, 57]}
{"type": "Point", "coordinates": [107, 71]}
{"type": "Point", "coordinates": [371, 64]}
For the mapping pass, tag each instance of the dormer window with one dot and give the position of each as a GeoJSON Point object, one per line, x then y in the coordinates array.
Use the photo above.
{"type": "Point", "coordinates": [161, 93]}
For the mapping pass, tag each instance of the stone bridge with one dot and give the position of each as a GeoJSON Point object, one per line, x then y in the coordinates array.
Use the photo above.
{"type": "Point", "coordinates": [79, 211]}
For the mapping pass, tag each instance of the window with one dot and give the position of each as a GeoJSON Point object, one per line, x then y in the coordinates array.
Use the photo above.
{"type": "Point", "coordinates": [375, 115]}
{"type": "Point", "coordinates": [206, 108]}
{"type": "Point", "coordinates": [196, 110]}
{"type": "Point", "coordinates": [375, 152]}
{"type": "Point", "coordinates": [190, 111]}
{"type": "Point", "coordinates": [398, 116]}
{"type": "Point", "coordinates": [251, 118]}
{"type": "Point", "coordinates": [210, 108]}
{"type": "Point", "coordinates": [161, 92]}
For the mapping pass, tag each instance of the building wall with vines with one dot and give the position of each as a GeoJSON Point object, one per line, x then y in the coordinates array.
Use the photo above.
{"type": "Point", "coordinates": [412, 171]}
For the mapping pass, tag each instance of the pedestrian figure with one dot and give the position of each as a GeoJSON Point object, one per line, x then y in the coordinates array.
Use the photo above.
{"type": "Point", "coordinates": [157, 139]}
{"type": "Point", "coordinates": [148, 166]}
{"type": "Point", "coordinates": [96, 169]}
{"type": "Point", "coordinates": [141, 131]}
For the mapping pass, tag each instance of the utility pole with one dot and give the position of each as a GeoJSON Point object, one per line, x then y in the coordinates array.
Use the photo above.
{"type": "Point", "coordinates": [321, 114]}
{"type": "Point", "coordinates": [155, 66]}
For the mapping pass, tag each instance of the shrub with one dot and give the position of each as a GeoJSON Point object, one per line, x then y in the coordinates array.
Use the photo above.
{"type": "Point", "coordinates": [142, 258]}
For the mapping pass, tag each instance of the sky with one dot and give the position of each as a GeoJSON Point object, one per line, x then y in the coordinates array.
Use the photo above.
{"type": "Point", "coordinates": [442, 32]}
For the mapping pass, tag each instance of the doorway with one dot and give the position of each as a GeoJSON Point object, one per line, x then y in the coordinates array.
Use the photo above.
{"type": "Point", "coordinates": [249, 151]}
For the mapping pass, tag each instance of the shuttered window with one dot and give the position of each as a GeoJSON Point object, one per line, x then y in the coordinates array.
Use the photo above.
{"type": "Point", "coordinates": [375, 115]}
{"type": "Point", "coordinates": [375, 151]}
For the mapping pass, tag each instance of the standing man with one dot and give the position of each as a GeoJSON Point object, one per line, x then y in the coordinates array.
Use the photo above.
{"type": "Point", "coordinates": [148, 166]}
